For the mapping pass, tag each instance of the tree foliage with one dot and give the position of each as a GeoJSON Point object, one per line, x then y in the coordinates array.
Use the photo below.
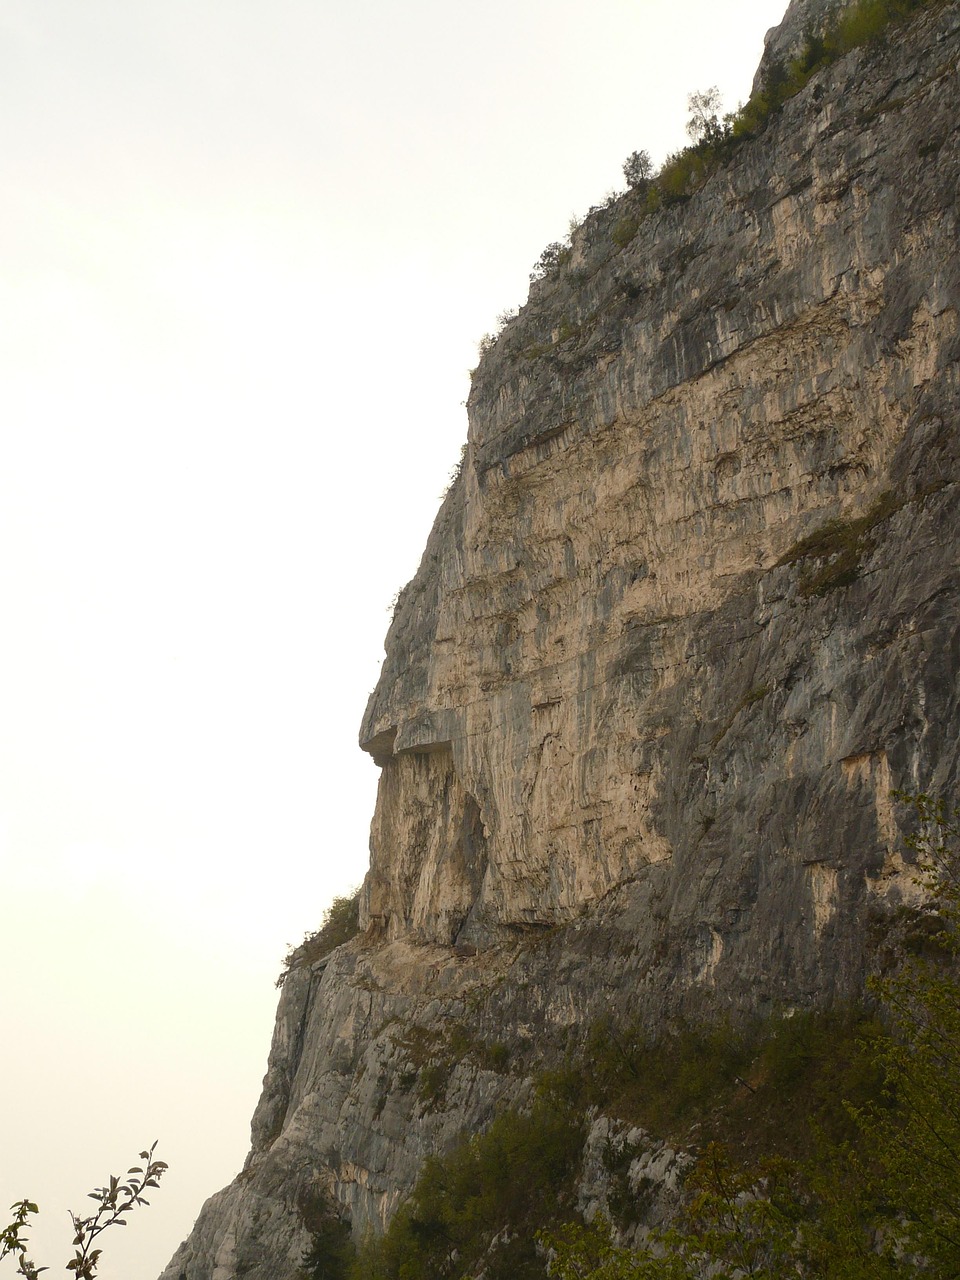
{"type": "Point", "coordinates": [917, 1142]}
{"type": "Point", "coordinates": [331, 1252]}
{"type": "Point", "coordinates": [554, 256]}
{"type": "Point", "coordinates": [638, 170]}
{"type": "Point", "coordinates": [341, 922]}
{"type": "Point", "coordinates": [479, 1206]}
{"type": "Point", "coordinates": [114, 1202]}
{"type": "Point", "coordinates": [881, 1204]}
{"type": "Point", "coordinates": [704, 124]}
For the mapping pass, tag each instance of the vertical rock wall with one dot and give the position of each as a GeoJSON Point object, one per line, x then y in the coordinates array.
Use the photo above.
{"type": "Point", "coordinates": [625, 645]}
{"type": "Point", "coordinates": [687, 617]}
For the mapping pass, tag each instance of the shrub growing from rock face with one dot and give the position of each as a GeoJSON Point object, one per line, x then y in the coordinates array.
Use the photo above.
{"type": "Point", "coordinates": [553, 257]}
{"type": "Point", "coordinates": [882, 1202]}
{"type": "Point", "coordinates": [624, 231]}
{"type": "Point", "coordinates": [477, 1209]}
{"type": "Point", "coordinates": [341, 922]}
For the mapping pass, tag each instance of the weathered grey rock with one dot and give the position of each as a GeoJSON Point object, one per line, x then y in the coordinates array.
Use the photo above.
{"type": "Point", "coordinates": [803, 20]}
{"type": "Point", "coordinates": [638, 736]}
{"type": "Point", "coordinates": [621, 1163]}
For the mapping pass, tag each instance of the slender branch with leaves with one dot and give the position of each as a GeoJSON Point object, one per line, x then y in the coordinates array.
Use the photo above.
{"type": "Point", "coordinates": [114, 1202]}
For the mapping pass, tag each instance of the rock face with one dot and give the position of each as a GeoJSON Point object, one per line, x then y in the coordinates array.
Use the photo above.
{"type": "Point", "coordinates": [804, 19]}
{"type": "Point", "coordinates": [686, 618]}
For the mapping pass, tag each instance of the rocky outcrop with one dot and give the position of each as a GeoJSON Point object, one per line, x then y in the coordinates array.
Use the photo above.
{"type": "Point", "coordinates": [619, 653]}
{"type": "Point", "coordinates": [685, 620]}
{"type": "Point", "coordinates": [805, 20]}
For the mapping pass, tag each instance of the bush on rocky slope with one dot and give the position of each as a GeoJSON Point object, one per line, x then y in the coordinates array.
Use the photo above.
{"type": "Point", "coordinates": [341, 922]}
{"type": "Point", "coordinates": [829, 1141]}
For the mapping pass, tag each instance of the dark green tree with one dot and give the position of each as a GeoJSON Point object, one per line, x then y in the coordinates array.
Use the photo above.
{"type": "Point", "coordinates": [638, 170]}
{"type": "Point", "coordinates": [883, 1206]}
{"type": "Point", "coordinates": [916, 1141]}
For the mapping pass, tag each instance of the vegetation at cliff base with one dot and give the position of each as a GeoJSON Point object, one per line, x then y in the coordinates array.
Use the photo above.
{"type": "Point", "coordinates": [480, 1207]}
{"type": "Point", "coordinates": [883, 1203]}
{"type": "Point", "coordinates": [753, 1091]}
{"type": "Point", "coordinates": [824, 1144]}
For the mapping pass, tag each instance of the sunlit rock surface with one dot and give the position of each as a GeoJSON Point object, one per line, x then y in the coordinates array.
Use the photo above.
{"type": "Point", "coordinates": [687, 617]}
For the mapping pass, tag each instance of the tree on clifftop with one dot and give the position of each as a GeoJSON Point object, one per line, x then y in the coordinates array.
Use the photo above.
{"type": "Point", "coordinates": [704, 124]}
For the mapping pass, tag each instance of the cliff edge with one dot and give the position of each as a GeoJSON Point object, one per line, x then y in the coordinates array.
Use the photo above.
{"type": "Point", "coordinates": [687, 617]}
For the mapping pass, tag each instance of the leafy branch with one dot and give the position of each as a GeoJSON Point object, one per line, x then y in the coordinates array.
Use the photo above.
{"type": "Point", "coordinates": [114, 1201]}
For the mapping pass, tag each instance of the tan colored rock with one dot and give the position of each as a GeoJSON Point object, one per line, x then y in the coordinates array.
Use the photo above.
{"type": "Point", "coordinates": [687, 617]}
{"type": "Point", "coordinates": [767, 359]}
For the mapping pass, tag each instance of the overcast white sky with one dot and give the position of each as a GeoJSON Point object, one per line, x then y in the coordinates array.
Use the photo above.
{"type": "Point", "coordinates": [246, 253]}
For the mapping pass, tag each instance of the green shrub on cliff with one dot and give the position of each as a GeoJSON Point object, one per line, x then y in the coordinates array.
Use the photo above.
{"type": "Point", "coordinates": [624, 231]}
{"type": "Point", "coordinates": [868, 21]}
{"type": "Point", "coordinates": [554, 256]}
{"type": "Point", "coordinates": [341, 922]}
{"type": "Point", "coordinates": [714, 136]}
{"type": "Point", "coordinates": [861, 24]}
{"type": "Point", "coordinates": [829, 1142]}
{"type": "Point", "coordinates": [480, 1206]}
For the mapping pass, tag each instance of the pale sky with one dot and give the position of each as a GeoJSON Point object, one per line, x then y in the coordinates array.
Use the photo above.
{"type": "Point", "coordinates": [247, 251]}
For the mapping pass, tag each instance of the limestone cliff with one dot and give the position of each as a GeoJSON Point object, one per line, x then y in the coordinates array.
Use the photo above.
{"type": "Point", "coordinates": [803, 21]}
{"type": "Point", "coordinates": [687, 616]}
